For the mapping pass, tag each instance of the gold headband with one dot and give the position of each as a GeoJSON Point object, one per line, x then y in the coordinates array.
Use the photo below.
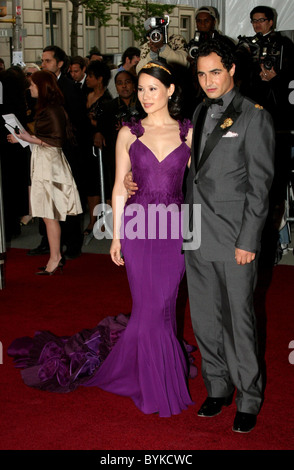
{"type": "Point", "coordinates": [151, 64]}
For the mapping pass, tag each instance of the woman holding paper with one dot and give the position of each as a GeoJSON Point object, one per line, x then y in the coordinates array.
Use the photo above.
{"type": "Point", "coordinates": [54, 194]}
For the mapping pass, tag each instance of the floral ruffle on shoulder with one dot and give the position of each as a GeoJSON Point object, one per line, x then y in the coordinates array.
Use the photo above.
{"type": "Point", "coordinates": [185, 125]}
{"type": "Point", "coordinates": [135, 127]}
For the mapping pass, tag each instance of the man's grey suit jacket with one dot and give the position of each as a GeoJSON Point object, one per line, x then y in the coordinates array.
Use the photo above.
{"type": "Point", "coordinates": [232, 178]}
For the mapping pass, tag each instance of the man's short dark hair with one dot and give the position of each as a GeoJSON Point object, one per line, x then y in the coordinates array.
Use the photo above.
{"type": "Point", "coordinates": [59, 55]}
{"type": "Point", "coordinates": [223, 50]}
{"type": "Point", "coordinates": [94, 51]}
{"type": "Point", "coordinates": [129, 53]}
{"type": "Point", "coordinates": [79, 60]}
{"type": "Point", "coordinates": [267, 11]}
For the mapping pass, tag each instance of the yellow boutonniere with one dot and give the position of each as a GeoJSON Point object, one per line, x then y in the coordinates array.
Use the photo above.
{"type": "Point", "coordinates": [227, 123]}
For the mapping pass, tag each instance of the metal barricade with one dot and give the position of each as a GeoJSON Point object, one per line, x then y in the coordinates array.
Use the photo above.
{"type": "Point", "coordinates": [290, 192]}
{"type": "Point", "coordinates": [290, 201]}
{"type": "Point", "coordinates": [102, 211]}
{"type": "Point", "coordinates": [2, 238]}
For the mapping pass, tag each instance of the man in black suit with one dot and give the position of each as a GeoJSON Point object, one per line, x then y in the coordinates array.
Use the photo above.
{"type": "Point", "coordinates": [78, 68]}
{"type": "Point", "coordinates": [230, 177]}
{"type": "Point", "coordinates": [56, 61]}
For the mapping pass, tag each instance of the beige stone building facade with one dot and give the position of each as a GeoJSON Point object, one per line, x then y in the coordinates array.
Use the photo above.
{"type": "Point", "coordinates": [112, 39]}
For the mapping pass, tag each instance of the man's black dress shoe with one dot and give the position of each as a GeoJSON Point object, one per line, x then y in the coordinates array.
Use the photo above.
{"type": "Point", "coordinates": [244, 422]}
{"type": "Point", "coordinates": [213, 406]}
{"type": "Point", "coordinates": [40, 250]}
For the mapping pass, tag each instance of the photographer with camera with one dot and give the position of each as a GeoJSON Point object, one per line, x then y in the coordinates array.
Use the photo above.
{"type": "Point", "coordinates": [266, 68]}
{"type": "Point", "coordinates": [207, 28]}
{"type": "Point", "coordinates": [268, 64]}
{"type": "Point", "coordinates": [171, 50]}
{"type": "Point", "coordinates": [207, 23]}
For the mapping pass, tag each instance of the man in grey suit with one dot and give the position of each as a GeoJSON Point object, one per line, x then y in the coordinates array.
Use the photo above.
{"type": "Point", "coordinates": [230, 176]}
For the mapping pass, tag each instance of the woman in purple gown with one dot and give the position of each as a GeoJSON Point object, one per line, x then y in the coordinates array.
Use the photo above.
{"type": "Point", "coordinates": [149, 363]}
{"type": "Point", "coordinates": [139, 357]}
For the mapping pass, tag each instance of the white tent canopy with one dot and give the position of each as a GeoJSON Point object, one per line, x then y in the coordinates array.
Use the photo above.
{"type": "Point", "coordinates": [237, 15]}
{"type": "Point", "coordinates": [234, 14]}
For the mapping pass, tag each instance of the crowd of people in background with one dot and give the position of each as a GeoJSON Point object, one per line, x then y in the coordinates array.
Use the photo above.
{"type": "Point", "coordinates": [99, 97]}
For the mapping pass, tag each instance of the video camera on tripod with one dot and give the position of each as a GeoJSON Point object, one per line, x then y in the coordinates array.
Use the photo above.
{"type": "Point", "coordinates": [157, 29]}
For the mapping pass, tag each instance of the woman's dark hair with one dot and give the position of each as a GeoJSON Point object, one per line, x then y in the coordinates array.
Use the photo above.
{"type": "Point", "coordinates": [48, 90]}
{"type": "Point", "coordinates": [220, 48]}
{"type": "Point", "coordinates": [164, 73]}
{"type": "Point", "coordinates": [99, 69]}
{"type": "Point", "coordinates": [132, 77]}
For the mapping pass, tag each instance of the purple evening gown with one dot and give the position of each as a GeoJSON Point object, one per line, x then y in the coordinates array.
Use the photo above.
{"type": "Point", "coordinates": [137, 356]}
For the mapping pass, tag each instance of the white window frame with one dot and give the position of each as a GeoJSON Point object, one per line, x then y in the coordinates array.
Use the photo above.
{"type": "Point", "coordinates": [121, 32]}
{"type": "Point", "coordinates": [62, 7]}
{"type": "Point", "coordinates": [94, 28]}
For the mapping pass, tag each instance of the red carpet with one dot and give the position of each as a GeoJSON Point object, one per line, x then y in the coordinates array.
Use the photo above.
{"type": "Point", "coordinates": [90, 419]}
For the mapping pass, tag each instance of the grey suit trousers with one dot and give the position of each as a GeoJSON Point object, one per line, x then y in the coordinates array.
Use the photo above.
{"type": "Point", "coordinates": [223, 319]}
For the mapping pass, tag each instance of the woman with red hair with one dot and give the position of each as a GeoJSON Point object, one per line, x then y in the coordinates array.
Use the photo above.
{"type": "Point", "coordinates": [54, 194]}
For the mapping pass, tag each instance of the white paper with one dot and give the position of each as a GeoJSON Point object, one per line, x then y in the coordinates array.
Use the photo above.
{"type": "Point", "coordinates": [17, 58]}
{"type": "Point", "coordinates": [11, 122]}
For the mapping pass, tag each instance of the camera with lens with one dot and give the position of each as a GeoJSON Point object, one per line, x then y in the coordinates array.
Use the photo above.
{"type": "Point", "coordinates": [199, 38]}
{"type": "Point", "coordinates": [157, 29]}
{"type": "Point", "coordinates": [252, 43]}
{"type": "Point", "coordinates": [263, 50]}
{"type": "Point", "coordinates": [271, 56]}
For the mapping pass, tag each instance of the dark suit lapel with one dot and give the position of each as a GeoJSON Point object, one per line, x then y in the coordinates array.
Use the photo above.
{"type": "Point", "coordinates": [232, 113]}
{"type": "Point", "coordinates": [198, 128]}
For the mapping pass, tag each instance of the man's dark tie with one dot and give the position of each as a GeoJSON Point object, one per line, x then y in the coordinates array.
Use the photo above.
{"type": "Point", "coordinates": [210, 101]}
